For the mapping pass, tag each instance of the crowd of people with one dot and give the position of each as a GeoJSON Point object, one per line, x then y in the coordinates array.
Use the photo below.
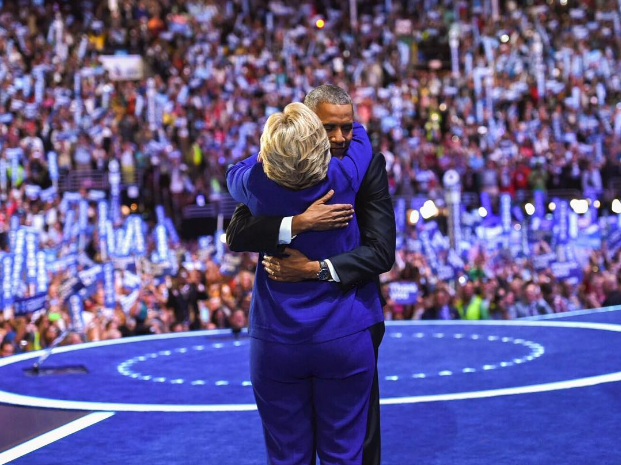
{"type": "Point", "coordinates": [517, 101]}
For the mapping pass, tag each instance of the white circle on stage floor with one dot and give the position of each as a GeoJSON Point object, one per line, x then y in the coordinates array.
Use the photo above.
{"type": "Point", "coordinates": [30, 401]}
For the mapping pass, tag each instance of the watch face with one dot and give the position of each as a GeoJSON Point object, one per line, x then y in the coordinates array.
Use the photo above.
{"type": "Point", "coordinates": [324, 271]}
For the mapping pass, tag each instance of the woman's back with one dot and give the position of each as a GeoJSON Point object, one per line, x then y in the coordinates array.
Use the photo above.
{"type": "Point", "coordinates": [309, 311]}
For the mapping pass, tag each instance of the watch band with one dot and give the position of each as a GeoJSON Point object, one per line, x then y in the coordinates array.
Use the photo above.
{"type": "Point", "coordinates": [324, 272]}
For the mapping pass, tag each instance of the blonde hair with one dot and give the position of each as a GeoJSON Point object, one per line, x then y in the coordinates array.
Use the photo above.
{"type": "Point", "coordinates": [295, 149]}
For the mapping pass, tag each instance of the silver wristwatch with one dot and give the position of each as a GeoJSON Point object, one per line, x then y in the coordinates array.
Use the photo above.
{"type": "Point", "coordinates": [324, 272]}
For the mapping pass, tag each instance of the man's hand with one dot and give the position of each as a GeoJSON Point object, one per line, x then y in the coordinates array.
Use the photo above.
{"type": "Point", "coordinates": [322, 217]}
{"type": "Point", "coordinates": [293, 268]}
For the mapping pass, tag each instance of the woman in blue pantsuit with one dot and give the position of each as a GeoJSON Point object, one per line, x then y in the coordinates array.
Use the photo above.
{"type": "Point", "coordinates": [312, 358]}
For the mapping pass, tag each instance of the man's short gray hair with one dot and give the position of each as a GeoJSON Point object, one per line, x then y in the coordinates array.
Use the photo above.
{"type": "Point", "coordinates": [328, 93]}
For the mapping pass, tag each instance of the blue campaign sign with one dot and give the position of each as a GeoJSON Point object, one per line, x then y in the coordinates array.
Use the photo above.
{"type": "Point", "coordinates": [230, 264]}
{"type": "Point", "coordinates": [543, 261]}
{"type": "Point", "coordinates": [403, 293]}
{"type": "Point", "coordinates": [614, 240]}
{"type": "Point", "coordinates": [30, 304]}
{"type": "Point", "coordinates": [446, 273]}
{"type": "Point", "coordinates": [590, 237]}
{"type": "Point", "coordinates": [567, 271]}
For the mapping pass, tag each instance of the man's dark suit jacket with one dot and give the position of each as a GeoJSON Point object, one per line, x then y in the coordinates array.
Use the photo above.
{"type": "Point", "coordinates": [376, 220]}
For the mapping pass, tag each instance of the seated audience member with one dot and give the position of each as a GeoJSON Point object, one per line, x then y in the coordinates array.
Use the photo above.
{"type": "Point", "coordinates": [531, 303]}
{"type": "Point", "coordinates": [442, 308]}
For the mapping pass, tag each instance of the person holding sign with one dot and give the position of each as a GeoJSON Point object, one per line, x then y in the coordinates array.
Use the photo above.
{"type": "Point", "coordinates": [312, 355]}
{"type": "Point", "coordinates": [375, 218]}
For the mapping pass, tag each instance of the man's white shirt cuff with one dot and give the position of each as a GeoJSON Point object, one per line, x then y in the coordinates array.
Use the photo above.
{"type": "Point", "coordinates": [335, 276]}
{"type": "Point", "coordinates": [284, 235]}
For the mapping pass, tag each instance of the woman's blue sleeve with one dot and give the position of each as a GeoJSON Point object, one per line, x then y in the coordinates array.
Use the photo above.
{"type": "Point", "coordinates": [237, 178]}
{"type": "Point", "coordinates": [358, 157]}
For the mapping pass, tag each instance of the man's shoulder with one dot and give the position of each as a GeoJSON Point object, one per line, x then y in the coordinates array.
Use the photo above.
{"type": "Point", "coordinates": [378, 163]}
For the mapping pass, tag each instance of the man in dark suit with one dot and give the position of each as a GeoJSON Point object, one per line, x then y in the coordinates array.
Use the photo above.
{"type": "Point", "coordinates": [442, 308]}
{"type": "Point", "coordinates": [376, 221]}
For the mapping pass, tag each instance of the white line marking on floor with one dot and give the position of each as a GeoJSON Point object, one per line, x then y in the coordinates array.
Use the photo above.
{"type": "Point", "coordinates": [53, 436]}
{"type": "Point", "coordinates": [17, 399]}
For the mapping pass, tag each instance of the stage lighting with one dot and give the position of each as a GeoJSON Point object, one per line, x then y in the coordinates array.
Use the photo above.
{"type": "Point", "coordinates": [223, 238]}
{"type": "Point", "coordinates": [413, 216]}
{"type": "Point", "coordinates": [530, 209]}
{"type": "Point", "coordinates": [552, 206]}
{"type": "Point", "coordinates": [429, 209]}
{"type": "Point", "coordinates": [320, 24]}
{"type": "Point", "coordinates": [482, 212]}
{"type": "Point", "coordinates": [597, 204]}
{"type": "Point", "coordinates": [504, 38]}
{"type": "Point", "coordinates": [616, 206]}
{"type": "Point", "coordinates": [580, 206]}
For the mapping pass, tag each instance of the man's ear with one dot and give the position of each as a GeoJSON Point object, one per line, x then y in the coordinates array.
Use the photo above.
{"type": "Point", "coordinates": [259, 158]}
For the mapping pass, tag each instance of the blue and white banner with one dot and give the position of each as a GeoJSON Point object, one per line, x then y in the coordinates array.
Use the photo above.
{"type": "Point", "coordinates": [119, 237]}
{"type": "Point", "coordinates": [30, 304]}
{"type": "Point", "coordinates": [505, 213]}
{"type": "Point", "coordinates": [42, 278]}
{"type": "Point", "coordinates": [7, 279]}
{"type": "Point", "coordinates": [102, 215]}
{"type": "Point", "coordinates": [219, 246]}
{"type": "Point", "coordinates": [91, 276]}
{"type": "Point", "coordinates": [18, 261]}
{"type": "Point", "coordinates": [31, 257]}
{"type": "Point", "coordinates": [68, 229]}
{"type": "Point", "coordinates": [75, 310]}
{"type": "Point", "coordinates": [138, 245]}
{"type": "Point", "coordinates": [172, 231]}
{"type": "Point", "coordinates": [161, 242]}
{"type": "Point", "coordinates": [127, 301]}
{"type": "Point", "coordinates": [403, 293]}
{"type": "Point", "coordinates": [561, 218]}
{"type": "Point", "coordinates": [110, 238]}
{"type": "Point", "coordinates": [68, 287]}
{"type": "Point", "coordinates": [131, 281]}
{"type": "Point", "coordinates": [230, 265]}
{"type": "Point", "coordinates": [114, 178]}
{"type": "Point", "coordinates": [567, 271]}
{"type": "Point", "coordinates": [446, 273]}
{"type": "Point", "coordinates": [614, 240]}
{"type": "Point", "coordinates": [83, 215]}
{"type": "Point", "coordinates": [429, 251]}
{"type": "Point", "coordinates": [109, 290]}
{"type": "Point", "coordinates": [544, 261]}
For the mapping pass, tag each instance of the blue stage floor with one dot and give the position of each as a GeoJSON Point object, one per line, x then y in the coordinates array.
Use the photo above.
{"type": "Point", "coordinates": [540, 391]}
